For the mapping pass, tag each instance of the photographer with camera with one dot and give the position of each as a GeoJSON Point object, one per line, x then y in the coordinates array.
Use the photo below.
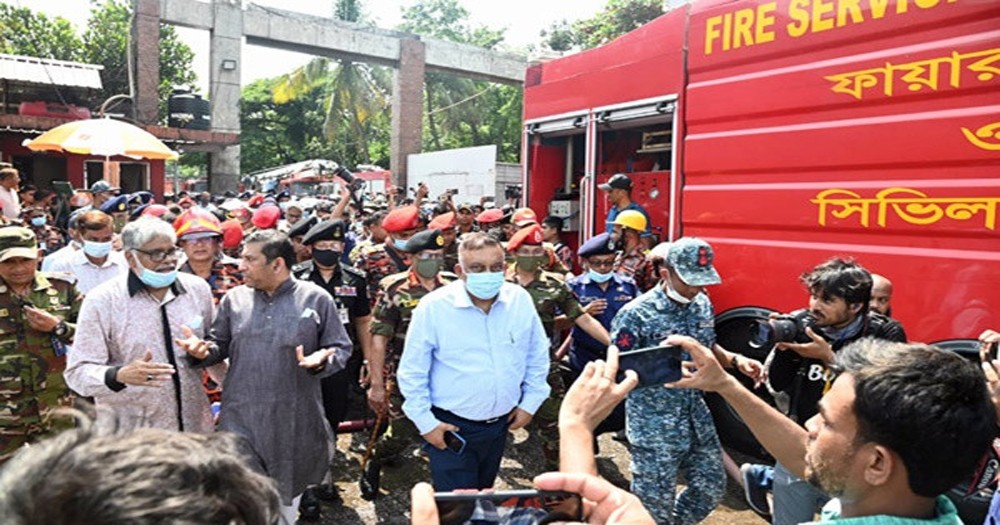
{"type": "Point", "coordinates": [805, 343]}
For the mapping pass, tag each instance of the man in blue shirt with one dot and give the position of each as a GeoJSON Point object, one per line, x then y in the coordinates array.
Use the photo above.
{"type": "Point", "coordinates": [474, 363]}
{"type": "Point", "coordinates": [619, 188]}
{"type": "Point", "coordinates": [602, 292]}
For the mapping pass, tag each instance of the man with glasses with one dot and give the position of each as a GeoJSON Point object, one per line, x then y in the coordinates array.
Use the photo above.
{"type": "Point", "coordinates": [124, 354]}
{"type": "Point", "coordinates": [348, 289]}
{"type": "Point", "coordinates": [602, 292]}
{"type": "Point", "coordinates": [96, 262]}
{"type": "Point", "coordinates": [474, 363]}
{"type": "Point", "coordinates": [557, 308]}
{"type": "Point", "coordinates": [199, 234]}
{"type": "Point", "coordinates": [400, 295]}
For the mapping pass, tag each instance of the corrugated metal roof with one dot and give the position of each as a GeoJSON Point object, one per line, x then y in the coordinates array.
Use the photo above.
{"type": "Point", "coordinates": [50, 72]}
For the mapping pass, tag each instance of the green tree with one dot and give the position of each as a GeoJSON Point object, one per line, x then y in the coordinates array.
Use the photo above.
{"type": "Point", "coordinates": [24, 32]}
{"type": "Point", "coordinates": [461, 112]}
{"type": "Point", "coordinates": [105, 42]}
{"type": "Point", "coordinates": [355, 99]}
{"type": "Point", "coordinates": [617, 18]}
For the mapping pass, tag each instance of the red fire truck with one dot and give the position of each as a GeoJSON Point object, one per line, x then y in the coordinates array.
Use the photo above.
{"type": "Point", "coordinates": [785, 132]}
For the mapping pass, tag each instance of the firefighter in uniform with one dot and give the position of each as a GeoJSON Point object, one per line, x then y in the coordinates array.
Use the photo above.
{"type": "Point", "coordinates": [382, 260]}
{"type": "Point", "coordinates": [626, 237]}
{"type": "Point", "coordinates": [558, 308]}
{"type": "Point", "coordinates": [38, 313]}
{"type": "Point", "coordinates": [400, 294]}
{"type": "Point", "coordinates": [347, 287]}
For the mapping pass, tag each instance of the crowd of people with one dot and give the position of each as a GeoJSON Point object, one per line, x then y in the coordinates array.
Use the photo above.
{"type": "Point", "coordinates": [216, 343]}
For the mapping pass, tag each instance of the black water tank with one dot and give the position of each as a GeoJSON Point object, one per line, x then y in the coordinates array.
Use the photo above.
{"type": "Point", "coordinates": [188, 110]}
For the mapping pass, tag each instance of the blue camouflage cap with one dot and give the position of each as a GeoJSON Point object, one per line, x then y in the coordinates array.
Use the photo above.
{"type": "Point", "coordinates": [692, 259]}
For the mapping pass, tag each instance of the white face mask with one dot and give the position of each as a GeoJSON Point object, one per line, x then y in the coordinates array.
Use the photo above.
{"type": "Point", "coordinates": [673, 295]}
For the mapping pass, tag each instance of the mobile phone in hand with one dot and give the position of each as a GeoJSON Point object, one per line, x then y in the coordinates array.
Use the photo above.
{"type": "Point", "coordinates": [654, 365]}
{"type": "Point", "coordinates": [454, 442]}
{"type": "Point", "coordinates": [524, 506]}
{"type": "Point", "coordinates": [988, 352]}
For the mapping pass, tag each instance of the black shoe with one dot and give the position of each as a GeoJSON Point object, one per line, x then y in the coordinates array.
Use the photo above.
{"type": "Point", "coordinates": [309, 508]}
{"type": "Point", "coordinates": [620, 436]}
{"type": "Point", "coordinates": [370, 479]}
{"type": "Point", "coordinates": [754, 488]}
{"type": "Point", "coordinates": [326, 492]}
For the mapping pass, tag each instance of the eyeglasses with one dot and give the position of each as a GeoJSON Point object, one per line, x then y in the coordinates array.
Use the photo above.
{"type": "Point", "coordinates": [607, 263]}
{"type": "Point", "coordinates": [160, 255]}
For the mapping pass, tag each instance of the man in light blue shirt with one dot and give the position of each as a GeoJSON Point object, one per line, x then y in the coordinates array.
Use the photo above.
{"type": "Point", "coordinates": [474, 364]}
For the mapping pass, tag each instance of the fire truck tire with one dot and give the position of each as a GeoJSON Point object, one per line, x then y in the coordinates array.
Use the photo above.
{"type": "Point", "coordinates": [733, 329]}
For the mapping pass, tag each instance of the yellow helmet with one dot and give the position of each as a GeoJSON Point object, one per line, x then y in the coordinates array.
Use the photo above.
{"type": "Point", "coordinates": [632, 219]}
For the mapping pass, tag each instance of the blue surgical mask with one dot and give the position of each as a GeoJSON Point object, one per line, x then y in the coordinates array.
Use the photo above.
{"type": "Point", "coordinates": [156, 279]}
{"type": "Point", "coordinates": [399, 245]}
{"type": "Point", "coordinates": [39, 221]}
{"type": "Point", "coordinates": [97, 249]}
{"type": "Point", "coordinates": [599, 277]}
{"type": "Point", "coordinates": [485, 285]}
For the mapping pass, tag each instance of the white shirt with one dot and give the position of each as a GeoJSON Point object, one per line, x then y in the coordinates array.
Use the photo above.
{"type": "Point", "coordinates": [11, 202]}
{"type": "Point", "coordinates": [62, 253]}
{"type": "Point", "coordinates": [89, 275]}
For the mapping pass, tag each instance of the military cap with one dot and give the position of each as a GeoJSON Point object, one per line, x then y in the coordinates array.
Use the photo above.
{"type": "Point", "coordinates": [490, 215]}
{"type": "Point", "coordinates": [154, 210]}
{"type": "Point", "coordinates": [467, 206]}
{"type": "Point", "coordinates": [140, 197]}
{"type": "Point", "coordinates": [285, 195]}
{"type": "Point", "coordinates": [266, 217]}
{"type": "Point", "coordinates": [102, 186]}
{"type": "Point", "coordinates": [597, 245]}
{"type": "Point", "coordinates": [328, 230]}
{"type": "Point", "coordinates": [302, 227]}
{"type": "Point", "coordinates": [692, 258]}
{"type": "Point", "coordinates": [402, 219]}
{"type": "Point", "coordinates": [443, 221]}
{"type": "Point", "coordinates": [425, 240]}
{"type": "Point", "coordinates": [232, 233]}
{"type": "Point", "coordinates": [523, 217]}
{"type": "Point", "coordinates": [138, 212]}
{"type": "Point", "coordinates": [16, 241]}
{"type": "Point", "coordinates": [115, 205]}
{"type": "Point", "coordinates": [528, 236]}
{"type": "Point", "coordinates": [256, 200]}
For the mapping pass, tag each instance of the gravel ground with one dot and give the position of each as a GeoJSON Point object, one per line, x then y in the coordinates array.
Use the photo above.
{"type": "Point", "coordinates": [519, 466]}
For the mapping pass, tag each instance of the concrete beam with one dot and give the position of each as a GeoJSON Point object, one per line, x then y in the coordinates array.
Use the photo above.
{"type": "Point", "coordinates": [187, 13]}
{"type": "Point", "coordinates": [474, 62]}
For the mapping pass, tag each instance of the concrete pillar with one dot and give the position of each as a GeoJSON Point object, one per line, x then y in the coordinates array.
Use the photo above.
{"type": "Point", "coordinates": [407, 107]}
{"type": "Point", "coordinates": [146, 56]}
{"type": "Point", "coordinates": [225, 62]}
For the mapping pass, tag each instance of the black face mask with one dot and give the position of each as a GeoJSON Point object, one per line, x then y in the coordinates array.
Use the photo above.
{"type": "Point", "coordinates": [326, 258]}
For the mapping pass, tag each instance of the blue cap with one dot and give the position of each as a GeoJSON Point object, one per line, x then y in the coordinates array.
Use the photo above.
{"type": "Point", "coordinates": [117, 204]}
{"type": "Point", "coordinates": [692, 259]}
{"type": "Point", "coordinates": [140, 197]}
{"type": "Point", "coordinates": [597, 245]}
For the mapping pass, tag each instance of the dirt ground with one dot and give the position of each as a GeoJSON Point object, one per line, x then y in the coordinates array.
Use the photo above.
{"type": "Point", "coordinates": [520, 463]}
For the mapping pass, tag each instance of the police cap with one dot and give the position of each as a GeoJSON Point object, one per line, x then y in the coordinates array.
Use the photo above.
{"type": "Point", "coordinates": [328, 230]}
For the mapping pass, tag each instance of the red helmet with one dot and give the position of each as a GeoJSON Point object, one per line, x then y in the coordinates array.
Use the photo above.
{"type": "Point", "coordinates": [196, 220]}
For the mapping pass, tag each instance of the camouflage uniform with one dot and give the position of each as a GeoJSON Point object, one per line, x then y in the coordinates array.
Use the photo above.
{"type": "Point", "coordinates": [634, 264]}
{"type": "Point", "coordinates": [670, 430]}
{"type": "Point", "coordinates": [400, 294]}
{"type": "Point", "coordinates": [31, 362]}
{"type": "Point", "coordinates": [378, 262]}
{"type": "Point", "coordinates": [552, 297]}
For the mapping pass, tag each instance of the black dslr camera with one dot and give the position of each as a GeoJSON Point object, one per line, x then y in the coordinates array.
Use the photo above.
{"type": "Point", "coordinates": [786, 328]}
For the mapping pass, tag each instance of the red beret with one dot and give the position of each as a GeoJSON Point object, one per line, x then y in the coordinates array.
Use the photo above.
{"type": "Point", "coordinates": [490, 215]}
{"type": "Point", "coordinates": [232, 233]}
{"type": "Point", "coordinates": [443, 221]}
{"type": "Point", "coordinates": [402, 219]}
{"type": "Point", "coordinates": [266, 217]}
{"type": "Point", "coordinates": [528, 236]}
{"type": "Point", "coordinates": [156, 210]}
{"type": "Point", "coordinates": [255, 201]}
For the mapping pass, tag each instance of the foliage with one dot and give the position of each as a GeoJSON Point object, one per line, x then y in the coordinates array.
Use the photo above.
{"type": "Point", "coordinates": [24, 32]}
{"type": "Point", "coordinates": [460, 112]}
{"type": "Point", "coordinates": [105, 42]}
{"type": "Point", "coordinates": [617, 18]}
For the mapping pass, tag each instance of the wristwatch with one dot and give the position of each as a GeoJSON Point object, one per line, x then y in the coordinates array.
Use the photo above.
{"type": "Point", "coordinates": [60, 329]}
